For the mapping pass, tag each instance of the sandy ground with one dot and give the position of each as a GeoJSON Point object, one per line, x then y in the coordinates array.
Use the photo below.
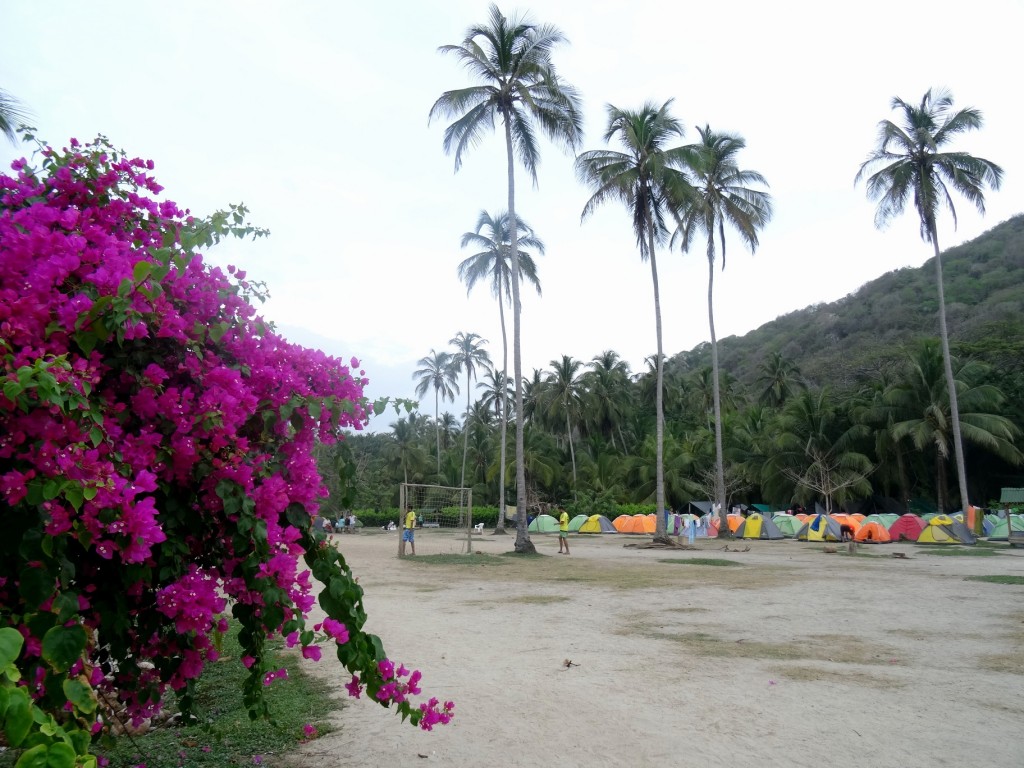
{"type": "Point", "coordinates": [793, 658]}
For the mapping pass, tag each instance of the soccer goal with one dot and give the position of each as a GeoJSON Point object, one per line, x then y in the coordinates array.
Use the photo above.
{"type": "Point", "coordinates": [444, 518]}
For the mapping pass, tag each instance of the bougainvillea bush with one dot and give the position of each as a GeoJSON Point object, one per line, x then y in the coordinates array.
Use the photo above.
{"type": "Point", "coordinates": [156, 463]}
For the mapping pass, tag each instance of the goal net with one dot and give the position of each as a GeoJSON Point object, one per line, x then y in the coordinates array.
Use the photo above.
{"type": "Point", "coordinates": [444, 518]}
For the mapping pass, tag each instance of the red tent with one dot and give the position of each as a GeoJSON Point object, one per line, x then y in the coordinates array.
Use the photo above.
{"type": "Point", "coordinates": [908, 526]}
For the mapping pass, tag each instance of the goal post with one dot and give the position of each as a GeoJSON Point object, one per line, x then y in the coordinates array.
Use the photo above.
{"type": "Point", "coordinates": [444, 517]}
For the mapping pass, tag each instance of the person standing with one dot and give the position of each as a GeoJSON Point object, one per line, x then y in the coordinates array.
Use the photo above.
{"type": "Point", "coordinates": [563, 531]}
{"type": "Point", "coordinates": [408, 532]}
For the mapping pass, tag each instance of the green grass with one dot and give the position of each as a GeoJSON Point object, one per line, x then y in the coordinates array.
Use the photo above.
{"type": "Point", "coordinates": [997, 579]}
{"type": "Point", "coordinates": [717, 561]}
{"type": "Point", "coordinates": [955, 551]}
{"type": "Point", "coordinates": [232, 739]}
{"type": "Point", "coordinates": [478, 558]}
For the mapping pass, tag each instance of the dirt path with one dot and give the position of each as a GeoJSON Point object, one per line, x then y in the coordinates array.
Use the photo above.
{"type": "Point", "coordinates": [790, 658]}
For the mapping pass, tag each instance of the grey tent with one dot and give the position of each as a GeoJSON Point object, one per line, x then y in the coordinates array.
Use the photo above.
{"type": "Point", "coordinates": [758, 526]}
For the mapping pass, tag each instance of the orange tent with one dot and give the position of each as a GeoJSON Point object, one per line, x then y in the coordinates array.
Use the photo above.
{"type": "Point", "coordinates": [627, 524]}
{"type": "Point", "coordinates": [650, 522]}
{"type": "Point", "coordinates": [873, 533]}
{"type": "Point", "coordinates": [734, 521]}
{"type": "Point", "coordinates": [848, 520]}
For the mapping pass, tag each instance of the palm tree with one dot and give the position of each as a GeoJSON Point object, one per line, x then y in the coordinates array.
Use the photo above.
{"type": "Point", "coordinates": [469, 355]}
{"type": "Point", "coordinates": [908, 162]}
{"type": "Point", "coordinates": [511, 58]}
{"type": "Point", "coordinates": [436, 372]}
{"type": "Point", "coordinates": [564, 392]}
{"type": "Point", "coordinates": [609, 395]}
{"type": "Point", "coordinates": [11, 113]}
{"type": "Point", "coordinates": [722, 197]}
{"type": "Point", "coordinates": [779, 378]}
{"type": "Point", "coordinates": [493, 262]}
{"type": "Point", "coordinates": [645, 177]}
{"type": "Point", "coordinates": [921, 411]}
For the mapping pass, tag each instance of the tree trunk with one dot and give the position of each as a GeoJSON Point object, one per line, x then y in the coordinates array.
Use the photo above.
{"type": "Point", "coordinates": [500, 527]}
{"type": "Point", "coordinates": [437, 429]}
{"type": "Point", "coordinates": [716, 398]}
{"type": "Point", "coordinates": [572, 451]}
{"type": "Point", "coordinates": [465, 429]}
{"type": "Point", "coordinates": [523, 544]}
{"type": "Point", "coordinates": [954, 408]}
{"type": "Point", "coordinates": [659, 407]}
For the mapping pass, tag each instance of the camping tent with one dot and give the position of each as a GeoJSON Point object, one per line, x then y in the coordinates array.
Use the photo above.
{"type": "Point", "coordinates": [543, 524]}
{"type": "Point", "coordinates": [872, 533]}
{"type": "Point", "coordinates": [884, 518]}
{"type": "Point", "coordinates": [943, 529]}
{"type": "Point", "coordinates": [908, 526]}
{"type": "Point", "coordinates": [764, 509]}
{"type": "Point", "coordinates": [576, 522]}
{"type": "Point", "coordinates": [734, 521]}
{"type": "Point", "coordinates": [820, 528]}
{"type": "Point", "coordinates": [788, 524]}
{"type": "Point", "coordinates": [699, 507]}
{"type": "Point", "coordinates": [598, 524]}
{"type": "Point", "coordinates": [707, 527]}
{"type": "Point", "coordinates": [998, 532]}
{"type": "Point", "coordinates": [757, 526]}
{"type": "Point", "coordinates": [629, 523]}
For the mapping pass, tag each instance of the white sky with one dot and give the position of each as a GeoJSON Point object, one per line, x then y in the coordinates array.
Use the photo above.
{"type": "Point", "coordinates": [315, 115]}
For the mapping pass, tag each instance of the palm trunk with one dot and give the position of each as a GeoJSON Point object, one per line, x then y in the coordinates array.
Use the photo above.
{"type": "Point", "coordinates": [659, 407]}
{"type": "Point", "coordinates": [500, 527]}
{"type": "Point", "coordinates": [572, 452]}
{"type": "Point", "coordinates": [465, 430]}
{"type": "Point", "coordinates": [437, 429]}
{"type": "Point", "coordinates": [716, 397]}
{"type": "Point", "coordinates": [954, 408]}
{"type": "Point", "coordinates": [523, 544]}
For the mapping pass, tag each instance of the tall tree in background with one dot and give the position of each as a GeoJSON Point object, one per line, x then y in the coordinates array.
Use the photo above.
{"type": "Point", "coordinates": [563, 398]}
{"type": "Point", "coordinates": [909, 164]}
{"type": "Point", "coordinates": [723, 197]}
{"type": "Point", "coordinates": [493, 263]}
{"type": "Point", "coordinates": [645, 177]}
{"type": "Point", "coordinates": [436, 372]}
{"type": "Point", "coordinates": [511, 59]}
{"type": "Point", "coordinates": [11, 114]}
{"type": "Point", "coordinates": [469, 355]}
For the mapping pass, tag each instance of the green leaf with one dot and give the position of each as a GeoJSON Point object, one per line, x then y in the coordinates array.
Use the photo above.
{"type": "Point", "coordinates": [33, 758]}
{"type": "Point", "coordinates": [379, 406]}
{"type": "Point", "coordinates": [36, 584]}
{"type": "Point", "coordinates": [11, 643]}
{"type": "Point", "coordinates": [63, 646]}
{"type": "Point", "coordinates": [60, 755]}
{"type": "Point", "coordinates": [81, 695]}
{"type": "Point", "coordinates": [18, 718]}
{"type": "Point", "coordinates": [218, 330]}
{"type": "Point", "coordinates": [141, 271]}
{"type": "Point", "coordinates": [12, 389]}
{"type": "Point", "coordinates": [89, 492]}
{"type": "Point", "coordinates": [65, 605]}
{"type": "Point", "coordinates": [96, 436]}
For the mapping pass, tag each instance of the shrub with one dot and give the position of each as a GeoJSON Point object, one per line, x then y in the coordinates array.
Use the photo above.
{"type": "Point", "coordinates": [156, 461]}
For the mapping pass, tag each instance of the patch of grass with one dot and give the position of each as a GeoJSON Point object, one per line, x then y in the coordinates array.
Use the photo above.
{"type": "Point", "coordinates": [993, 544]}
{"type": "Point", "coordinates": [956, 551]}
{"type": "Point", "coordinates": [231, 738]}
{"type": "Point", "coordinates": [1012, 663]}
{"type": "Point", "coordinates": [538, 599]}
{"type": "Point", "coordinates": [715, 561]}
{"type": "Point", "coordinates": [1002, 579]}
{"type": "Point", "coordinates": [810, 674]}
{"type": "Point", "coordinates": [477, 558]}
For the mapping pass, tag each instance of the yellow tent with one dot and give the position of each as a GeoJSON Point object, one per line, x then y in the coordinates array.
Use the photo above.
{"type": "Point", "coordinates": [943, 529]}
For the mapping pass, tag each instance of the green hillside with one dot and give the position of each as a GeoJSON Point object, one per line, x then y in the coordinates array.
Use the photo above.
{"type": "Point", "coordinates": [847, 341]}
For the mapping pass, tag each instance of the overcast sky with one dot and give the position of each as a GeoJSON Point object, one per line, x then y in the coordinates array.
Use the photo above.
{"type": "Point", "coordinates": [314, 114]}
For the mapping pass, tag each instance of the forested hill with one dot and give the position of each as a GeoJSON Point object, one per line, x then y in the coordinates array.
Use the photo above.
{"type": "Point", "coordinates": [848, 341]}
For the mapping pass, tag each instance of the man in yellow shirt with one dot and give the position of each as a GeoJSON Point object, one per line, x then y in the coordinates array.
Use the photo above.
{"type": "Point", "coordinates": [408, 532]}
{"type": "Point", "coordinates": [563, 531]}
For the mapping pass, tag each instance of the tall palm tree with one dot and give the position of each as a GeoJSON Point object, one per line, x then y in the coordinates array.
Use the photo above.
{"type": "Point", "coordinates": [779, 378]}
{"type": "Point", "coordinates": [609, 395]}
{"type": "Point", "coordinates": [469, 355]}
{"type": "Point", "coordinates": [11, 113]}
{"type": "Point", "coordinates": [518, 85]}
{"type": "Point", "coordinates": [723, 197]}
{"type": "Point", "coordinates": [646, 178]}
{"type": "Point", "coordinates": [436, 372]}
{"type": "Point", "coordinates": [909, 162]}
{"type": "Point", "coordinates": [493, 263]}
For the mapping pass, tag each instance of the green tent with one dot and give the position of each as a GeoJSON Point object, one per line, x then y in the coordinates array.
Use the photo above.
{"type": "Point", "coordinates": [788, 524]}
{"type": "Point", "coordinates": [576, 522]}
{"type": "Point", "coordinates": [544, 524]}
{"type": "Point", "coordinates": [998, 532]}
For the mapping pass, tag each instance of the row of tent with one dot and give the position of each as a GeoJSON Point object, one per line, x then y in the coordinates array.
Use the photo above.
{"type": "Point", "coordinates": [871, 529]}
